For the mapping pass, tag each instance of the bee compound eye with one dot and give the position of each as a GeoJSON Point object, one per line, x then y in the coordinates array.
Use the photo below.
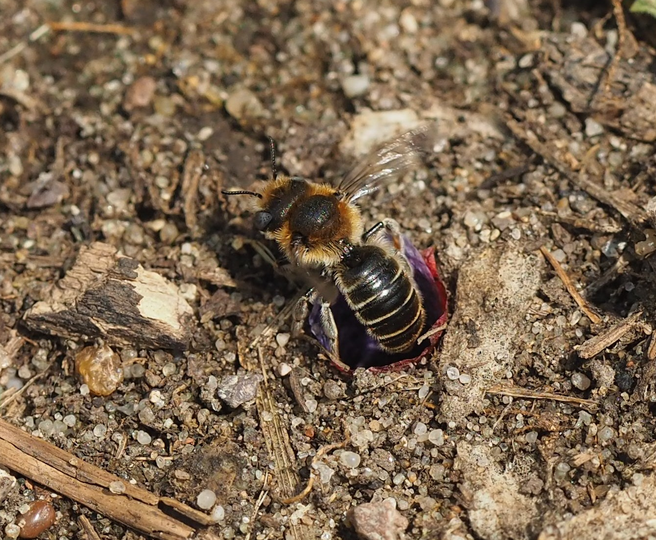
{"type": "Point", "coordinates": [262, 220]}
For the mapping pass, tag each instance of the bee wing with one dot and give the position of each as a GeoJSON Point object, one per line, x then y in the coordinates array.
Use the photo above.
{"type": "Point", "coordinates": [386, 164]}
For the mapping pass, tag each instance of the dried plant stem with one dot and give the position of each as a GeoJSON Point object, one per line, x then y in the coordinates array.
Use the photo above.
{"type": "Point", "coordinates": [569, 285]}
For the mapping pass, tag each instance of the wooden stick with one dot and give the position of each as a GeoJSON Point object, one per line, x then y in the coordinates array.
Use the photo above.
{"type": "Point", "coordinates": [569, 285]}
{"type": "Point", "coordinates": [517, 392]}
{"type": "Point", "coordinates": [631, 212]}
{"type": "Point", "coordinates": [87, 484]}
{"type": "Point", "coordinates": [598, 343]}
{"type": "Point", "coordinates": [73, 26]}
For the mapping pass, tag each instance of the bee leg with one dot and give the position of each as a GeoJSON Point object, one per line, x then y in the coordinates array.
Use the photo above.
{"type": "Point", "coordinates": [300, 315]}
{"type": "Point", "coordinates": [374, 230]}
{"type": "Point", "coordinates": [328, 323]}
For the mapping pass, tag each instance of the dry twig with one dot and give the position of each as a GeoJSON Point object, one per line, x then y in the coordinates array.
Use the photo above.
{"type": "Point", "coordinates": [81, 26]}
{"type": "Point", "coordinates": [598, 343]}
{"type": "Point", "coordinates": [525, 393]}
{"type": "Point", "coordinates": [569, 285]}
{"type": "Point", "coordinates": [89, 485]}
{"type": "Point", "coordinates": [632, 213]}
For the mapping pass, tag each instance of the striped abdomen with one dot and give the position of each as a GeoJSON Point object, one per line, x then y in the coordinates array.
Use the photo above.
{"type": "Point", "coordinates": [382, 296]}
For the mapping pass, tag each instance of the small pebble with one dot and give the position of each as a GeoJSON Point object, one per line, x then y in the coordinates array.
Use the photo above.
{"type": "Point", "coordinates": [243, 104]}
{"type": "Point", "coordinates": [117, 487]}
{"type": "Point", "coordinates": [532, 437]}
{"type": "Point", "coordinates": [282, 339]}
{"type": "Point", "coordinates": [236, 390]}
{"type": "Point", "coordinates": [46, 427]}
{"type": "Point", "coordinates": [560, 470]}
{"type": "Point", "coordinates": [100, 368]}
{"type": "Point", "coordinates": [355, 85]}
{"type": "Point", "coordinates": [100, 431]}
{"type": "Point", "coordinates": [420, 428]}
{"type": "Point", "coordinates": [593, 128]}
{"type": "Point", "coordinates": [12, 530]}
{"type": "Point", "coordinates": [350, 460]}
{"type": "Point", "coordinates": [38, 519]}
{"type": "Point", "coordinates": [168, 233]}
{"type": "Point", "coordinates": [284, 369]}
{"type": "Point", "coordinates": [436, 436]}
{"type": "Point", "coordinates": [169, 369]}
{"type": "Point", "coordinates": [143, 437]}
{"type": "Point", "coordinates": [377, 520]}
{"type": "Point", "coordinates": [206, 499]}
{"type": "Point", "coordinates": [453, 373]}
{"type": "Point", "coordinates": [464, 378]}
{"type": "Point", "coordinates": [205, 133]}
{"type": "Point", "coordinates": [581, 381]}
{"type": "Point", "coordinates": [140, 93]}
{"type": "Point", "coordinates": [333, 390]}
{"type": "Point", "coordinates": [218, 513]}
{"type": "Point", "coordinates": [311, 405]}
{"type": "Point", "coordinates": [605, 434]}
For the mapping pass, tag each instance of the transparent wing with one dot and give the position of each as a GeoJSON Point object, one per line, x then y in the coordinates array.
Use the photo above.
{"type": "Point", "coordinates": [387, 163]}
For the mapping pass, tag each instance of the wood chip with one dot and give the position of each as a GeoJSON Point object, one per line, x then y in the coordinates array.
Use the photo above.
{"type": "Point", "coordinates": [110, 296]}
{"type": "Point", "coordinates": [602, 341]}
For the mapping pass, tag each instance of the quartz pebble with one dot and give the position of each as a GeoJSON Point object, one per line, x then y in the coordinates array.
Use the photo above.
{"type": "Point", "coordinates": [12, 530]}
{"type": "Point", "coordinates": [605, 434]}
{"type": "Point", "coordinates": [436, 436]}
{"type": "Point", "coordinates": [117, 487]}
{"type": "Point", "coordinates": [143, 437]}
{"type": "Point", "coordinates": [282, 339]}
{"type": "Point", "coordinates": [377, 520]}
{"type": "Point", "coordinates": [206, 499]}
{"type": "Point", "coordinates": [350, 460]}
{"type": "Point", "coordinates": [100, 368]}
{"type": "Point", "coordinates": [236, 390]}
{"type": "Point", "coordinates": [593, 128]}
{"type": "Point", "coordinates": [7, 484]}
{"type": "Point", "coordinates": [38, 519]}
{"type": "Point", "coordinates": [218, 513]}
{"type": "Point", "coordinates": [355, 85]}
{"type": "Point", "coordinates": [333, 390]}
{"type": "Point", "coordinates": [581, 381]}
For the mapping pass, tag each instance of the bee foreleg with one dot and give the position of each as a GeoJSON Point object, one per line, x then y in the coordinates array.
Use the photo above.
{"type": "Point", "coordinates": [300, 314]}
{"type": "Point", "coordinates": [328, 323]}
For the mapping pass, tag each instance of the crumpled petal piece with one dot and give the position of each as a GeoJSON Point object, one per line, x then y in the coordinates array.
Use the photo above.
{"type": "Point", "coordinates": [358, 349]}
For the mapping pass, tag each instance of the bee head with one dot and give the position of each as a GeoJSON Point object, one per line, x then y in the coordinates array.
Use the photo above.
{"type": "Point", "coordinates": [262, 220]}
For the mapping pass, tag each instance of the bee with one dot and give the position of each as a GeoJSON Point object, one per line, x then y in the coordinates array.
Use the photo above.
{"type": "Point", "coordinates": [319, 227]}
{"type": "Point", "coordinates": [377, 283]}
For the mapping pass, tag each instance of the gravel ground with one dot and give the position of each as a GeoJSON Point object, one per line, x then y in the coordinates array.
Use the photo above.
{"type": "Point", "coordinates": [508, 430]}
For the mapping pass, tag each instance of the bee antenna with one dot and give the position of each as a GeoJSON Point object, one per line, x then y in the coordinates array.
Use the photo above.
{"type": "Point", "coordinates": [241, 192]}
{"type": "Point", "coordinates": [272, 150]}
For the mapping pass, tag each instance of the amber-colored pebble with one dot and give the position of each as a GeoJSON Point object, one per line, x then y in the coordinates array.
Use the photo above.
{"type": "Point", "coordinates": [100, 368]}
{"type": "Point", "coordinates": [39, 518]}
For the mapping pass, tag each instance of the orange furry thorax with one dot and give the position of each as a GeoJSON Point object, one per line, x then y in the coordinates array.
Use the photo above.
{"type": "Point", "coordinates": [322, 241]}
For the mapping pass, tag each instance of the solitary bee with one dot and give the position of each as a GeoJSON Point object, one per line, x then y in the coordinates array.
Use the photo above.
{"type": "Point", "coordinates": [320, 228]}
